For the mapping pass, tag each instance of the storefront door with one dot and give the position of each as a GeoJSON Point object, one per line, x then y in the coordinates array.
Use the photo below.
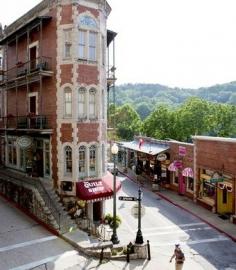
{"type": "Point", "coordinates": [224, 201]}
{"type": "Point", "coordinates": [97, 211]}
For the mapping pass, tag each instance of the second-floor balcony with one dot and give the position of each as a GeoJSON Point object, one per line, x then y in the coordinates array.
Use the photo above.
{"type": "Point", "coordinates": [27, 72]}
{"type": "Point", "coordinates": [28, 122]}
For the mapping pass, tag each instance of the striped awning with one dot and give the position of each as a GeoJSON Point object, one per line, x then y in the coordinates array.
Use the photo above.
{"type": "Point", "coordinates": [172, 167]}
{"type": "Point", "coordinates": [187, 172]}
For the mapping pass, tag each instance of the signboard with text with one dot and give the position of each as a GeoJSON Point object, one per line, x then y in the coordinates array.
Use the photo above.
{"type": "Point", "coordinates": [182, 151]}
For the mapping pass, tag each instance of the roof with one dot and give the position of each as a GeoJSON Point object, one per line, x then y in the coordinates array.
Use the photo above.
{"type": "Point", "coordinates": [150, 148]}
{"type": "Point", "coordinates": [110, 36]}
{"type": "Point", "coordinates": [211, 138]}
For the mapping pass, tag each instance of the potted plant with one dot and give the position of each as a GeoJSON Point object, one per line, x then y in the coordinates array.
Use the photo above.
{"type": "Point", "coordinates": [116, 223]}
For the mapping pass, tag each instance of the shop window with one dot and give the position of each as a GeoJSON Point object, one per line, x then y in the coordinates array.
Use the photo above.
{"type": "Point", "coordinates": [189, 183]}
{"type": "Point", "coordinates": [82, 161]}
{"type": "Point", "coordinates": [68, 160]}
{"type": "Point", "coordinates": [68, 102]}
{"type": "Point", "coordinates": [175, 178]}
{"type": "Point", "coordinates": [92, 160]}
{"type": "Point", "coordinates": [12, 156]}
{"type": "Point", "coordinates": [66, 186]}
{"type": "Point", "coordinates": [82, 103]}
{"type": "Point", "coordinates": [208, 189]}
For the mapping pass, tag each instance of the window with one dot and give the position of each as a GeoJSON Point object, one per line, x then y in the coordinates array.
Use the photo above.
{"type": "Point", "coordinates": [103, 51]}
{"type": "Point", "coordinates": [67, 43]}
{"type": "Point", "coordinates": [66, 186]}
{"type": "Point", "coordinates": [92, 160]}
{"type": "Point", "coordinates": [68, 102]}
{"type": "Point", "coordinates": [82, 44]}
{"type": "Point", "coordinates": [176, 177]}
{"type": "Point", "coordinates": [82, 161]}
{"type": "Point", "coordinates": [103, 158]}
{"type": "Point", "coordinates": [81, 103]}
{"type": "Point", "coordinates": [189, 183]}
{"type": "Point", "coordinates": [92, 46]}
{"type": "Point", "coordinates": [87, 45]}
{"type": "Point", "coordinates": [103, 105]}
{"type": "Point", "coordinates": [68, 160]}
{"type": "Point", "coordinates": [92, 103]}
{"type": "Point", "coordinates": [12, 158]}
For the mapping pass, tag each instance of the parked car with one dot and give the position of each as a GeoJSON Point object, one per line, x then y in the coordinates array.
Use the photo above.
{"type": "Point", "coordinates": [110, 168]}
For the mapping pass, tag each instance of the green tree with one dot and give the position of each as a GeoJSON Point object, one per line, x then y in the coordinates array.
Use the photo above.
{"type": "Point", "coordinates": [128, 122]}
{"type": "Point", "coordinates": [143, 109]}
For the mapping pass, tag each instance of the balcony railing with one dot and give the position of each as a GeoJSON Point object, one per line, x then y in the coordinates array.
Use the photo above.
{"type": "Point", "coordinates": [28, 68]}
{"type": "Point", "coordinates": [25, 122]}
{"type": "Point", "coordinates": [111, 75]}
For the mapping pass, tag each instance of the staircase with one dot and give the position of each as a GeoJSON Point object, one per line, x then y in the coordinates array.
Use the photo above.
{"type": "Point", "coordinates": [36, 197]}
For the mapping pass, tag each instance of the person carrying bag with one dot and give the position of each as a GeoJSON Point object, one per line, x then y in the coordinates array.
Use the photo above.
{"type": "Point", "coordinates": [179, 257]}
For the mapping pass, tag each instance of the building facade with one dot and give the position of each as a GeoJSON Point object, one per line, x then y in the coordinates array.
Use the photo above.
{"type": "Point", "coordinates": [53, 120]}
{"type": "Point", "coordinates": [203, 171]}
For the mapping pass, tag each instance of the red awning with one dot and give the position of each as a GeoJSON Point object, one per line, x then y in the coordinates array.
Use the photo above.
{"type": "Point", "coordinates": [97, 189]}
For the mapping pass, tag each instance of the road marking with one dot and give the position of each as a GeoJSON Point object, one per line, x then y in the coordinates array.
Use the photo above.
{"type": "Point", "coordinates": [44, 261]}
{"type": "Point", "coordinates": [28, 243]}
{"type": "Point", "coordinates": [177, 231]}
{"type": "Point", "coordinates": [194, 242]}
{"type": "Point", "coordinates": [174, 226]}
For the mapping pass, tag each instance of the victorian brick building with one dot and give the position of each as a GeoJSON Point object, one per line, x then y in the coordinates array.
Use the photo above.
{"type": "Point", "coordinates": [53, 97]}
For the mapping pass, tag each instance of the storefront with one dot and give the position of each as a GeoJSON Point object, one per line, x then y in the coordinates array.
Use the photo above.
{"type": "Point", "coordinates": [215, 160]}
{"type": "Point", "coordinates": [28, 154]}
{"type": "Point", "coordinates": [146, 158]}
{"type": "Point", "coordinates": [181, 168]}
{"type": "Point", "coordinates": [95, 192]}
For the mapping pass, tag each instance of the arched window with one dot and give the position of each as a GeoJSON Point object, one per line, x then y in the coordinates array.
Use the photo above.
{"type": "Point", "coordinates": [68, 160]}
{"type": "Point", "coordinates": [103, 104]}
{"type": "Point", "coordinates": [92, 160]}
{"type": "Point", "coordinates": [82, 103]}
{"type": "Point", "coordinates": [92, 103]}
{"type": "Point", "coordinates": [82, 161]}
{"type": "Point", "coordinates": [67, 102]}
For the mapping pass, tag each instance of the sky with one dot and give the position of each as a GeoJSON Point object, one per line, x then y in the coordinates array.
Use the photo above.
{"type": "Point", "coordinates": [179, 43]}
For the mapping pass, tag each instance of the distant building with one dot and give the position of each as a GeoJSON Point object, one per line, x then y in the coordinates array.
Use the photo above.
{"type": "Point", "coordinates": [204, 170]}
{"type": "Point", "coordinates": [53, 121]}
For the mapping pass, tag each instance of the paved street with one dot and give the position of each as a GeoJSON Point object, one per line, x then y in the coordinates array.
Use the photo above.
{"type": "Point", "coordinates": [24, 244]}
{"type": "Point", "coordinates": [165, 224]}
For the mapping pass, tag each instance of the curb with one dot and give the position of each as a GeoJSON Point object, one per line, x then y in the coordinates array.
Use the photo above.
{"type": "Point", "coordinates": [185, 209]}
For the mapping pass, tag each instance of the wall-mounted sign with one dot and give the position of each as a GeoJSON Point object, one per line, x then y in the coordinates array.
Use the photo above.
{"type": "Point", "coordinates": [182, 151]}
{"type": "Point", "coordinates": [178, 164]}
{"type": "Point", "coordinates": [161, 157]}
{"type": "Point", "coordinates": [24, 142]}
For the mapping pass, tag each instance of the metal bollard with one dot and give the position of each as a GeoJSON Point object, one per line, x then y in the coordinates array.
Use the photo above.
{"type": "Point", "coordinates": [127, 255]}
{"type": "Point", "coordinates": [101, 256]}
{"type": "Point", "coordinates": [148, 249]}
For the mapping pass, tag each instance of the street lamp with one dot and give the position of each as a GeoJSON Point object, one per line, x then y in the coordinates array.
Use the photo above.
{"type": "Point", "coordinates": [114, 237]}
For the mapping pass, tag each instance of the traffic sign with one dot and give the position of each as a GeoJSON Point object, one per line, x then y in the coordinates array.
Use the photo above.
{"type": "Point", "coordinates": [125, 198]}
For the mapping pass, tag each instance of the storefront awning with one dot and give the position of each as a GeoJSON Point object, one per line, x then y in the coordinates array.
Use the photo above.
{"type": "Point", "coordinates": [97, 189]}
{"type": "Point", "coordinates": [145, 147]}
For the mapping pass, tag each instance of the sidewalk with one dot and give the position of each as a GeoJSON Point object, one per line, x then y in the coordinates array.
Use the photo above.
{"type": "Point", "coordinates": [223, 226]}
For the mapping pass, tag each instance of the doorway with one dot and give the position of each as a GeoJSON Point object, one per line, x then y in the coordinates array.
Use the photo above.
{"type": "Point", "coordinates": [97, 211]}
{"type": "Point", "coordinates": [33, 57]}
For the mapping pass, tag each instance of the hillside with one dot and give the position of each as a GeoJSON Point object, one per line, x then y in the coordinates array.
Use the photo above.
{"type": "Point", "coordinates": [145, 97]}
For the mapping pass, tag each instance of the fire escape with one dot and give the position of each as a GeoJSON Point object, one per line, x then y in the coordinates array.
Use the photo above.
{"type": "Point", "coordinates": [19, 75]}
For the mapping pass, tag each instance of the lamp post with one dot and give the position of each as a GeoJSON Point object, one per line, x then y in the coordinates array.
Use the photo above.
{"type": "Point", "coordinates": [114, 237]}
{"type": "Point", "coordinates": [139, 236]}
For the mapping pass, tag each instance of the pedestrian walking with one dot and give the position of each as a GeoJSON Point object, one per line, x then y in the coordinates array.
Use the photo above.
{"type": "Point", "coordinates": [179, 257]}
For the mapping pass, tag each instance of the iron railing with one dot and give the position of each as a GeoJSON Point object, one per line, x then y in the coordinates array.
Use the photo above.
{"type": "Point", "coordinates": [21, 69]}
{"type": "Point", "coordinates": [26, 122]}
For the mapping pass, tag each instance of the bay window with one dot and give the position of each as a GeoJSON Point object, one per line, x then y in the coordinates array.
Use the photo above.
{"type": "Point", "coordinates": [87, 48]}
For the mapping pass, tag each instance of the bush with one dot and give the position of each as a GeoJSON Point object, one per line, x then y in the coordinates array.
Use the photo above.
{"type": "Point", "coordinates": [116, 223]}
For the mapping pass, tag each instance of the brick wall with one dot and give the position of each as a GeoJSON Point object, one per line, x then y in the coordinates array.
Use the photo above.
{"type": "Point", "coordinates": [216, 154]}
{"type": "Point", "coordinates": [88, 132]}
{"type": "Point", "coordinates": [88, 74]}
{"type": "Point", "coordinates": [66, 14]}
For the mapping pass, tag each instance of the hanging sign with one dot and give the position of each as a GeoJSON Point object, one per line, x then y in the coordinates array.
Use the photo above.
{"type": "Point", "coordinates": [161, 157]}
{"type": "Point", "coordinates": [182, 151]}
{"type": "Point", "coordinates": [24, 142]}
